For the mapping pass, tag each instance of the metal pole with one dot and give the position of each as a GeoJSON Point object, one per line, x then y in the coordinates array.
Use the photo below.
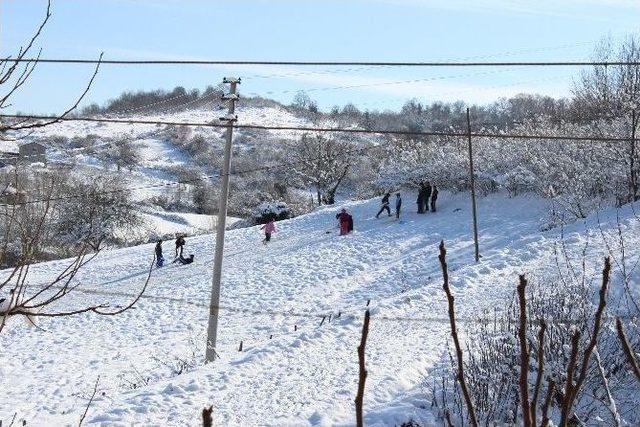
{"type": "Point", "coordinates": [634, 175]}
{"type": "Point", "coordinates": [214, 305]}
{"type": "Point", "coordinates": [474, 210]}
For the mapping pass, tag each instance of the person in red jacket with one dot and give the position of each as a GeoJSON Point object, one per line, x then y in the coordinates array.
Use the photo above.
{"type": "Point", "coordinates": [343, 219]}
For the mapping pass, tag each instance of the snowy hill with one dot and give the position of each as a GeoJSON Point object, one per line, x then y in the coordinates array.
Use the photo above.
{"type": "Point", "coordinates": [89, 149]}
{"type": "Point", "coordinates": [292, 370]}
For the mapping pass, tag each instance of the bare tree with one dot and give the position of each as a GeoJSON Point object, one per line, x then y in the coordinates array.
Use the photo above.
{"type": "Point", "coordinates": [15, 72]}
{"type": "Point", "coordinates": [92, 212]}
{"type": "Point", "coordinates": [609, 92]}
{"type": "Point", "coordinates": [33, 302]}
{"type": "Point", "coordinates": [322, 162]}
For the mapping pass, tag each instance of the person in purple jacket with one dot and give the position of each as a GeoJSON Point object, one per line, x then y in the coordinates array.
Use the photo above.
{"type": "Point", "coordinates": [269, 228]}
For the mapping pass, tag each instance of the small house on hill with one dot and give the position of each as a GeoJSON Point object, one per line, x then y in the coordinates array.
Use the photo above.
{"type": "Point", "coordinates": [8, 153]}
{"type": "Point", "coordinates": [32, 152]}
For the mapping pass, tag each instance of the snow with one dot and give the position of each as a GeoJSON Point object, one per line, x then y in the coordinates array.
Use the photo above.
{"type": "Point", "coordinates": [306, 374]}
{"type": "Point", "coordinates": [164, 223]}
{"type": "Point", "coordinates": [10, 147]}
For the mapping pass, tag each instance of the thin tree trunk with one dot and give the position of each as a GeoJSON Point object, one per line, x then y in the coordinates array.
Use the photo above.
{"type": "Point", "coordinates": [454, 334]}
{"type": "Point", "coordinates": [362, 378]}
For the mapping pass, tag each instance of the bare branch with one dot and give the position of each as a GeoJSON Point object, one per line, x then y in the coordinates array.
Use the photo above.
{"type": "Point", "coordinates": [524, 354]}
{"type": "Point", "coordinates": [95, 389]}
{"type": "Point", "coordinates": [540, 358]}
{"type": "Point", "coordinates": [362, 378]}
{"type": "Point", "coordinates": [631, 358]}
{"type": "Point", "coordinates": [454, 334]}
{"type": "Point", "coordinates": [547, 404]}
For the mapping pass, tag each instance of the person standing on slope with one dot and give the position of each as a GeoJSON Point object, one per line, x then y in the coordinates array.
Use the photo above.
{"type": "Point", "coordinates": [427, 195]}
{"type": "Point", "coordinates": [159, 257]}
{"type": "Point", "coordinates": [420, 200]}
{"type": "Point", "coordinates": [269, 228]}
{"type": "Point", "coordinates": [398, 205]}
{"type": "Point", "coordinates": [434, 197]}
{"type": "Point", "coordinates": [385, 205]}
{"type": "Point", "coordinates": [343, 219]}
{"type": "Point", "coordinates": [179, 245]}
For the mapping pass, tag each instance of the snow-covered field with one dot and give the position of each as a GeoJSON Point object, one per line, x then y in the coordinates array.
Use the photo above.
{"type": "Point", "coordinates": [292, 371]}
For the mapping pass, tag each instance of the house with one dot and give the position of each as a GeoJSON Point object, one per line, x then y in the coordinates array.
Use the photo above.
{"type": "Point", "coordinates": [10, 196]}
{"type": "Point", "coordinates": [8, 153]}
{"type": "Point", "coordinates": [32, 152]}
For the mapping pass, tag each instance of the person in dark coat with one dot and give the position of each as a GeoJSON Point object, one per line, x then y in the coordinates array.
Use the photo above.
{"type": "Point", "coordinates": [179, 245]}
{"type": "Point", "coordinates": [350, 226]}
{"type": "Point", "coordinates": [398, 205]}
{"type": "Point", "coordinates": [420, 201]}
{"type": "Point", "coordinates": [427, 195]}
{"type": "Point", "coordinates": [185, 261]}
{"type": "Point", "coordinates": [434, 197]}
{"type": "Point", "coordinates": [159, 257]}
{"type": "Point", "coordinates": [343, 219]}
{"type": "Point", "coordinates": [385, 205]}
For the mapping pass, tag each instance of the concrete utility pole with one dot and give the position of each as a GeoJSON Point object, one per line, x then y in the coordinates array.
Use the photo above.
{"type": "Point", "coordinates": [474, 210]}
{"type": "Point", "coordinates": [214, 305]}
{"type": "Point", "coordinates": [632, 167]}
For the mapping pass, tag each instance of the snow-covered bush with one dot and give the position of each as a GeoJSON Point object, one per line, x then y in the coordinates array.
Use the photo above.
{"type": "Point", "coordinates": [493, 360]}
{"type": "Point", "coordinates": [267, 211]}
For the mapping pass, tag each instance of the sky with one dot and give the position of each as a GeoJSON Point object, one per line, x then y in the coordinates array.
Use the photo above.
{"type": "Point", "coordinates": [306, 30]}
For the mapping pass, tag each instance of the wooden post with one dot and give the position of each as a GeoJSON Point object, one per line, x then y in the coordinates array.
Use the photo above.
{"type": "Point", "coordinates": [474, 209]}
{"type": "Point", "coordinates": [362, 378]}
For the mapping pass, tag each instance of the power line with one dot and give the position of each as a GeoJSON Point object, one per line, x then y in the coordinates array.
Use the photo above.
{"type": "Point", "coordinates": [336, 130]}
{"type": "Point", "coordinates": [124, 138]}
{"type": "Point", "coordinates": [309, 314]}
{"type": "Point", "coordinates": [190, 181]}
{"type": "Point", "coordinates": [326, 63]}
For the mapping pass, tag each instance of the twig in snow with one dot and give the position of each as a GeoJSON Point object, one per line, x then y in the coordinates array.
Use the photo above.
{"type": "Point", "coordinates": [95, 389]}
{"type": "Point", "coordinates": [572, 389]}
{"type": "Point", "coordinates": [612, 403]}
{"type": "Point", "coordinates": [540, 359]}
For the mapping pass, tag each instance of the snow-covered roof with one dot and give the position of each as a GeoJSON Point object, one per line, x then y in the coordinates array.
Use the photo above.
{"type": "Point", "coordinates": [31, 144]}
{"type": "Point", "coordinates": [8, 147]}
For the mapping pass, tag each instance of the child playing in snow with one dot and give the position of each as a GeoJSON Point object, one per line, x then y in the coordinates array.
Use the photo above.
{"type": "Point", "coordinates": [179, 245]}
{"type": "Point", "coordinates": [159, 257]}
{"type": "Point", "coordinates": [184, 261]}
{"type": "Point", "coordinates": [269, 228]}
{"type": "Point", "coordinates": [384, 205]}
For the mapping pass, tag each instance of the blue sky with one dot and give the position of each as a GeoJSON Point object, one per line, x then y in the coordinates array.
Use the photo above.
{"type": "Point", "coordinates": [372, 30]}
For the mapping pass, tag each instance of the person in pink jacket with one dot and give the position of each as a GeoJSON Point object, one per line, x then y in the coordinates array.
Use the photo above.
{"type": "Point", "coordinates": [269, 228]}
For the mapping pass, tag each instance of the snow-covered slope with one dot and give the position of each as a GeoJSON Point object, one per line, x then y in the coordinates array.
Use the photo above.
{"type": "Point", "coordinates": [292, 370]}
